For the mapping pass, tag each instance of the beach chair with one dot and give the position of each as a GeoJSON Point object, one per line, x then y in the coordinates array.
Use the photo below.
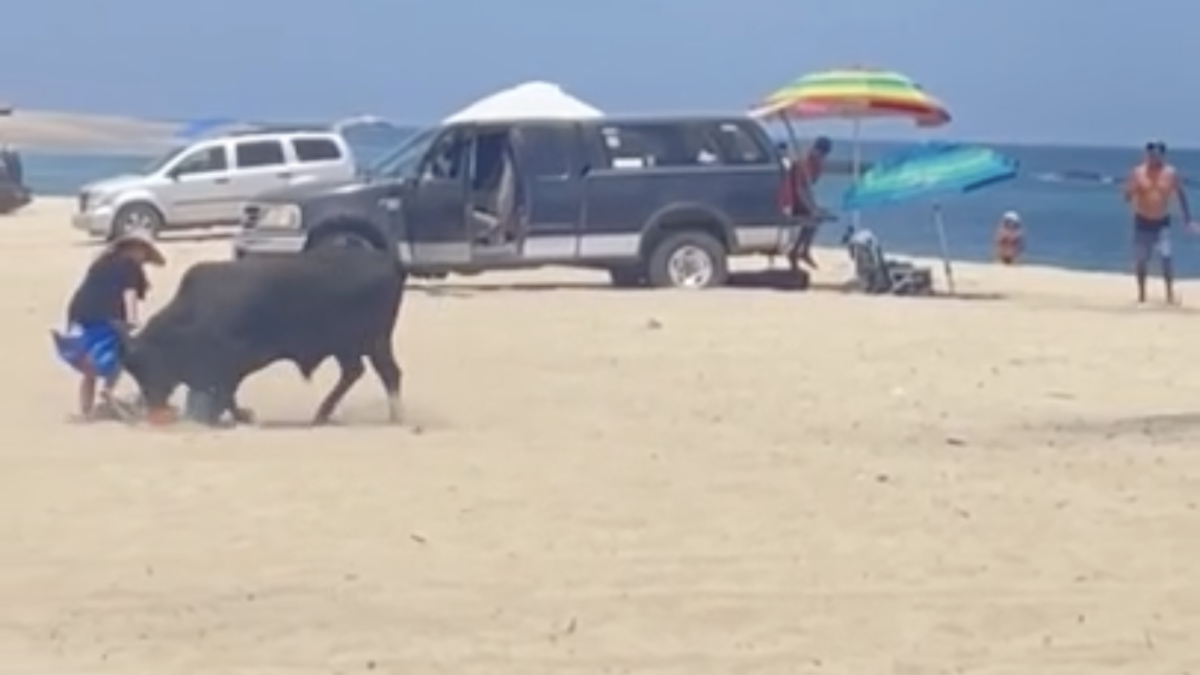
{"type": "Point", "coordinates": [876, 274]}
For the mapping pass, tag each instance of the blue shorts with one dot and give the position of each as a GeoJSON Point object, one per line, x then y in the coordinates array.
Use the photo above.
{"type": "Point", "coordinates": [92, 349]}
{"type": "Point", "coordinates": [1151, 237]}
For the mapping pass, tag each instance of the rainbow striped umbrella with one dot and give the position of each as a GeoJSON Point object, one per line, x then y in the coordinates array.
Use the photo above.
{"type": "Point", "coordinates": [854, 93]}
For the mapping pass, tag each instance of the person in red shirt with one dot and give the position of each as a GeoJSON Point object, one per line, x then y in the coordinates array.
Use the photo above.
{"type": "Point", "coordinates": [804, 175]}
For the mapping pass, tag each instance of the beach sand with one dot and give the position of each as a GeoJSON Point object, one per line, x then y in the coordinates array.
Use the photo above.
{"type": "Point", "coordinates": [595, 481]}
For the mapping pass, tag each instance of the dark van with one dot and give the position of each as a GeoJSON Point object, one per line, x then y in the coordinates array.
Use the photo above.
{"type": "Point", "coordinates": [658, 201]}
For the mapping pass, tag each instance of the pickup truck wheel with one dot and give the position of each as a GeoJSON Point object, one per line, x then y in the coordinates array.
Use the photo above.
{"type": "Point", "coordinates": [136, 218]}
{"type": "Point", "coordinates": [689, 259]}
{"type": "Point", "coordinates": [342, 240]}
{"type": "Point", "coordinates": [627, 276]}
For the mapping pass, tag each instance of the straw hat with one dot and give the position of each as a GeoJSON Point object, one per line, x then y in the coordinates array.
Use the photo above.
{"type": "Point", "coordinates": [154, 255]}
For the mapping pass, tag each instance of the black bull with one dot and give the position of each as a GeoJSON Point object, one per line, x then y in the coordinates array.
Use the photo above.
{"type": "Point", "coordinates": [231, 319]}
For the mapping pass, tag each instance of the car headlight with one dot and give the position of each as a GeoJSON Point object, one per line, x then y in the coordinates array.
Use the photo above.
{"type": "Point", "coordinates": [89, 201]}
{"type": "Point", "coordinates": [282, 216]}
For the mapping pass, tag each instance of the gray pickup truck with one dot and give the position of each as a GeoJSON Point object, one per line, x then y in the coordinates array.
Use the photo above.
{"type": "Point", "coordinates": [655, 201]}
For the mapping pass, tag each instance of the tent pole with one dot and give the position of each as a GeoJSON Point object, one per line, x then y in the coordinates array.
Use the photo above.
{"type": "Point", "coordinates": [947, 266]}
{"type": "Point", "coordinates": [793, 142]}
{"type": "Point", "coordinates": [793, 153]}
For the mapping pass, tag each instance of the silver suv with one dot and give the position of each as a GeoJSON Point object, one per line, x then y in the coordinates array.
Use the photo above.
{"type": "Point", "coordinates": [206, 183]}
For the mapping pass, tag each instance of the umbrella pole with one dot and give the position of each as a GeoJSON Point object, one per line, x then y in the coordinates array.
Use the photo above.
{"type": "Point", "coordinates": [939, 221]}
{"type": "Point", "coordinates": [856, 165]}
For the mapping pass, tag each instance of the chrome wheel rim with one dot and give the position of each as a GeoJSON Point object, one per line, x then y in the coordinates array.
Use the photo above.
{"type": "Point", "coordinates": [690, 267]}
{"type": "Point", "coordinates": [137, 221]}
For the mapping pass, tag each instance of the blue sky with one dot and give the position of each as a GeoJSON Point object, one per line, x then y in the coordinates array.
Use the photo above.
{"type": "Point", "coordinates": [1101, 71]}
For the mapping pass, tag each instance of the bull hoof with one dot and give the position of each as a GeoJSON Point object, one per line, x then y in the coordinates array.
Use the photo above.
{"type": "Point", "coordinates": [243, 416]}
{"type": "Point", "coordinates": [161, 417]}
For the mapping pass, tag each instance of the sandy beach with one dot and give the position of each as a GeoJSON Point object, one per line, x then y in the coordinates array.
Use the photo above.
{"type": "Point", "coordinates": [596, 481]}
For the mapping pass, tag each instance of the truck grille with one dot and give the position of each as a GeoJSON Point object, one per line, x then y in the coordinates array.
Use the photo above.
{"type": "Point", "coordinates": [250, 216]}
{"type": "Point", "coordinates": [83, 202]}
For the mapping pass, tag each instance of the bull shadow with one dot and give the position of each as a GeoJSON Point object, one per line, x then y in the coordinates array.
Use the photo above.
{"type": "Point", "coordinates": [415, 420]}
{"type": "Point", "coordinates": [281, 424]}
{"type": "Point", "coordinates": [305, 424]}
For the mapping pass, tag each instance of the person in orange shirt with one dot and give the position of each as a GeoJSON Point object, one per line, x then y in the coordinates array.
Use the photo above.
{"type": "Point", "coordinates": [1149, 190]}
{"type": "Point", "coordinates": [1009, 242]}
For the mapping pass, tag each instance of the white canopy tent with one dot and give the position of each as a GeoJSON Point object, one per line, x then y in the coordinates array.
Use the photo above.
{"type": "Point", "coordinates": [531, 100]}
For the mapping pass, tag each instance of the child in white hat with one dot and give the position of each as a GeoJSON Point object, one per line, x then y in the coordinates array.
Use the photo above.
{"type": "Point", "coordinates": [1009, 240]}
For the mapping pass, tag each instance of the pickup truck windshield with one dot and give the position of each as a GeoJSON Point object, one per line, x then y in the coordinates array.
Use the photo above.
{"type": "Point", "coordinates": [404, 160]}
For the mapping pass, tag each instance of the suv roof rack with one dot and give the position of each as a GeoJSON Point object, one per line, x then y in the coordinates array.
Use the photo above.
{"type": "Point", "coordinates": [281, 129]}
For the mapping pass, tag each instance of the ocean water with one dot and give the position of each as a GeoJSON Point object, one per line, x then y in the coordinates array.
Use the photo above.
{"type": "Point", "coordinates": [1073, 218]}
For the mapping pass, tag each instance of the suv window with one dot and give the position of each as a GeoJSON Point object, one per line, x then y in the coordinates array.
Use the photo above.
{"type": "Point", "coordinates": [204, 160]}
{"type": "Point", "coordinates": [650, 145]}
{"type": "Point", "coordinates": [251, 154]}
{"type": "Point", "coordinates": [546, 150]}
{"type": "Point", "coordinates": [316, 149]}
{"type": "Point", "coordinates": [739, 145]}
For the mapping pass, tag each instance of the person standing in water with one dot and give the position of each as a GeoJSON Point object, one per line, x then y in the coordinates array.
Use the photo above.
{"type": "Point", "coordinates": [1149, 190]}
{"type": "Point", "coordinates": [1009, 239]}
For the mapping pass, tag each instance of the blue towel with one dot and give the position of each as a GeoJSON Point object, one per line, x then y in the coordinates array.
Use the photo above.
{"type": "Point", "coordinates": [94, 349]}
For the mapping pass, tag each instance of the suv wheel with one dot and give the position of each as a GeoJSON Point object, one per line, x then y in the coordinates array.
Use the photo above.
{"type": "Point", "coordinates": [627, 276]}
{"type": "Point", "coordinates": [137, 218]}
{"type": "Point", "coordinates": [689, 259]}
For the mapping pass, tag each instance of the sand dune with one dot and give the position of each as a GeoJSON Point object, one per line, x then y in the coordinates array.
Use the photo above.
{"type": "Point", "coordinates": [593, 481]}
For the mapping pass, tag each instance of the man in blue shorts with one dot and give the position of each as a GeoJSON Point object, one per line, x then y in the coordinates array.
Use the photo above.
{"type": "Point", "coordinates": [1149, 190]}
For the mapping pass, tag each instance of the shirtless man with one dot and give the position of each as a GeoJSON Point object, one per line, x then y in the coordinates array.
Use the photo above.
{"type": "Point", "coordinates": [1149, 190]}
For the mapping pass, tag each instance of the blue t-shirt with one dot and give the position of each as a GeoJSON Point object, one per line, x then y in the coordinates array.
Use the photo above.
{"type": "Point", "coordinates": [101, 296]}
